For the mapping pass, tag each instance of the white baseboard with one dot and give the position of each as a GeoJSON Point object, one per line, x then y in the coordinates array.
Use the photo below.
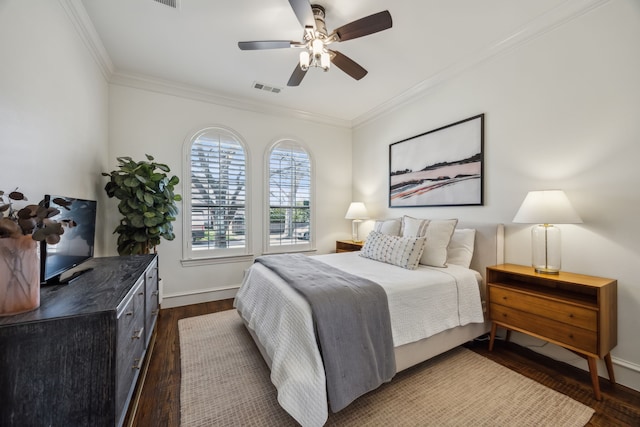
{"type": "Point", "coordinates": [197, 297]}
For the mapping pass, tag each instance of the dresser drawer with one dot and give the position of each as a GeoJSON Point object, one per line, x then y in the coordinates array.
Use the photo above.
{"type": "Point", "coordinates": [130, 343]}
{"type": "Point", "coordinates": [570, 314]}
{"type": "Point", "coordinates": [578, 338]}
{"type": "Point", "coordinates": [151, 300]}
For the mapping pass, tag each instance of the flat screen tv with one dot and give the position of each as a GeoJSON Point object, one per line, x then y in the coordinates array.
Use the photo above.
{"type": "Point", "coordinates": [76, 243]}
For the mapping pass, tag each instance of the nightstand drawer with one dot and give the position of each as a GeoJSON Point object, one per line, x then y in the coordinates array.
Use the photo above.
{"type": "Point", "coordinates": [348, 246]}
{"type": "Point", "coordinates": [578, 338]}
{"type": "Point", "coordinates": [552, 309]}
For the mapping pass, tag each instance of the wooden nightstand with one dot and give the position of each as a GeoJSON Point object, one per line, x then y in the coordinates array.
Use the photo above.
{"type": "Point", "coordinates": [575, 311]}
{"type": "Point", "coordinates": [348, 246]}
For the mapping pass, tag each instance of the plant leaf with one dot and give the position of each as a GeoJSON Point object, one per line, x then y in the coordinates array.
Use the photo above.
{"type": "Point", "coordinates": [16, 195]}
{"type": "Point", "coordinates": [163, 167]}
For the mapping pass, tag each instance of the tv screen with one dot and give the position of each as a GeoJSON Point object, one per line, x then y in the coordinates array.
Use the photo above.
{"type": "Point", "coordinates": [76, 243]}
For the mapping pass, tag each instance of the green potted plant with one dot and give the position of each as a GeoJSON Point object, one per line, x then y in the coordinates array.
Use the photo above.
{"type": "Point", "coordinates": [20, 232]}
{"type": "Point", "coordinates": [147, 204]}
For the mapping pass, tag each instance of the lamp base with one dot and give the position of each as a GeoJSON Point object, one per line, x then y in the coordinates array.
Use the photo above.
{"type": "Point", "coordinates": [545, 249]}
{"type": "Point", "coordinates": [543, 270]}
{"type": "Point", "coordinates": [354, 231]}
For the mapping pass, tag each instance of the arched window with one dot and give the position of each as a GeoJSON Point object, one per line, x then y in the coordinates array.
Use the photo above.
{"type": "Point", "coordinates": [289, 226]}
{"type": "Point", "coordinates": [216, 212]}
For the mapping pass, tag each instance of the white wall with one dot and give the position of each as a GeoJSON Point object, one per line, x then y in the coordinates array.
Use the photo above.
{"type": "Point", "coordinates": [561, 112]}
{"type": "Point", "coordinates": [144, 121]}
{"type": "Point", "coordinates": [53, 105]}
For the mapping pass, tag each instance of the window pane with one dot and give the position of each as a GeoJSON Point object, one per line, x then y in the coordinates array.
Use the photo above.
{"type": "Point", "coordinates": [289, 195]}
{"type": "Point", "coordinates": [218, 192]}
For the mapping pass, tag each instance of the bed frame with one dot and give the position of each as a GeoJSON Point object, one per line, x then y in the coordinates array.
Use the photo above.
{"type": "Point", "coordinates": [488, 250]}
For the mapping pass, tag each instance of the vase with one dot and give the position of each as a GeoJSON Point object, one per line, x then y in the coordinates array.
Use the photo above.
{"type": "Point", "coordinates": [19, 275]}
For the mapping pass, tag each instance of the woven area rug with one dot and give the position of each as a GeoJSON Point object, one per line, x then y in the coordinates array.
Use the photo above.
{"type": "Point", "coordinates": [225, 382]}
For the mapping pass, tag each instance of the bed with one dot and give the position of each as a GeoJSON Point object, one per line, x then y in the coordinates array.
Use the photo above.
{"type": "Point", "coordinates": [424, 323]}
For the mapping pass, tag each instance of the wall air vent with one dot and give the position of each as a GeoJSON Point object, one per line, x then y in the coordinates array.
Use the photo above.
{"type": "Point", "coordinates": [268, 88]}
{"type": "Point", "coordinates": [171, 3]}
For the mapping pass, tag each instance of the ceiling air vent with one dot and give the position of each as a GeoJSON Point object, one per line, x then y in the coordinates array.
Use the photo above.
{"type": "Point", "coordinates": [170, 3]}
{"type": "Point", "coordinates": [268, 88]}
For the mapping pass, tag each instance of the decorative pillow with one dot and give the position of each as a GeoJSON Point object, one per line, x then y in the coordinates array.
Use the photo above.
{"type": "Point", "coordinates": [460, 250]}
{"type": "Point", "coordinates": [388, 226]}
{"type": "Point", "coordinates": [412, 227]}
{"type": "Point", "coordinates": [438, 235]}
{"type": "Point", "coordinates": [404, 252]}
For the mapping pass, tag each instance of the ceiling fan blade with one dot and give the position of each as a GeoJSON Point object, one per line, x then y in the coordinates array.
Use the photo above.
{"type": "Point", "coordinates": [363, 27]}
{"type": "Point", "coordinates": [347, 65]}
{"type": "Point", "coordinates": [303, 12]}
{"type": "Point", "coordinates": [296, 77]}
{"type": "Point", "coordinates": [266, 44]}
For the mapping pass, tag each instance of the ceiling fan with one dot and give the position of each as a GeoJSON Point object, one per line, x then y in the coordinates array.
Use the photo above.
{"type": "Point", "coordinates": [316, 38]}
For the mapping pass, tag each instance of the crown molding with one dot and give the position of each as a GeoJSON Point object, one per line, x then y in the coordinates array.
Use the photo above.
{"type": "Point", "coordinates": [556, 17]}
{"type": "Point", "coordinates": [560, 15]}
{"type": "Point", "coordinates": [82, 23]}
{"type": "Point", "coordinates": [167, 87]}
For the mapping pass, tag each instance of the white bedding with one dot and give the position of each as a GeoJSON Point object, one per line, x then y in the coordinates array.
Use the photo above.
{"type": "Point", "coordinates": [422, 303]}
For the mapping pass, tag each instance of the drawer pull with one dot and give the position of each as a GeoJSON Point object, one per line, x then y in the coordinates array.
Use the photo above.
{"type": "Point", "coordinates": [571, 336]}
{"type": "Point", "coordinates": [137, 334]}
{"type": "Point", "coordinates": [137, 363]}
{"type": "Point", "coordinates": [155, 293]}
{"type": "Point", "coordinates": [129, 313]}
{"type": "Point", "coordinates": [141, 293]}
{"type": "Point", "coordinates": [571, 315]}
{"type": "Point", "coordinates": [155, 312]}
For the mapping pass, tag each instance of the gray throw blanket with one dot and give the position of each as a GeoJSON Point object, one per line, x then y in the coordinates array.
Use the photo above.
{"type": "Point", "coordinates": [353, 328]}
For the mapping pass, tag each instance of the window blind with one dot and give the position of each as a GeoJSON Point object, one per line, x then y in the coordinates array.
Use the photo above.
{"type": "Point", "coordinates": [289, 195]}
{"type": "Point", "coordinates": [218, 192]}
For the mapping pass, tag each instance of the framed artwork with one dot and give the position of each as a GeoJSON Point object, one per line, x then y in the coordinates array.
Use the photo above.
{"type": "Point", "coordinates": [442, 167]}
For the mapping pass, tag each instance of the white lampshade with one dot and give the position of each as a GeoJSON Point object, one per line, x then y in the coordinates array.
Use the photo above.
{"type": "Point", "coordinates": [357, 210]}
{"type": "Point", "coordinates": [546, 208]}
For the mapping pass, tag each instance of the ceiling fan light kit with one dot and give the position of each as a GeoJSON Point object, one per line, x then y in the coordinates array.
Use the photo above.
{"type": "Point", "coordinates": [316, 38]}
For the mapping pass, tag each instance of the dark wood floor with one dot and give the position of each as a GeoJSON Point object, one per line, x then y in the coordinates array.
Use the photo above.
{"type": "Point", "coordinates": [159, 403]}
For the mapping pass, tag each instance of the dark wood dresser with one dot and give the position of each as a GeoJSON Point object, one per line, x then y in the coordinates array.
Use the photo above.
{"type": "Point", "coordinates": [76, 359]}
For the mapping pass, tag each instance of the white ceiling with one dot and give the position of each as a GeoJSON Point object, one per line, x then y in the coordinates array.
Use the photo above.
{"type": "Point", "coordinates": [196, 45]}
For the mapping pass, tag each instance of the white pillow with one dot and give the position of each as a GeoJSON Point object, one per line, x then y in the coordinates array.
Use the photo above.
{"type": "Point", "coordinates": [388, 226]}
{"type": "Point", "coordinates": [404, 252]}
{"type": "Point", "coordinates": [460, 250]}
{"type": "Point", "coordinates": [413, 226]}
{"type": "Point", "coordinates": [438, 233]}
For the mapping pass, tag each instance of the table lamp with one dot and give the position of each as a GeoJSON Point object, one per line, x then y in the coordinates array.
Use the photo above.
{"type": "Point", "coordinates": [546, 208]}
{"type": "Point", "coordinates": [357, 212]}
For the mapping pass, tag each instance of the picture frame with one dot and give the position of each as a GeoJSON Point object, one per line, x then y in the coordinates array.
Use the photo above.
{"type": "Point", "coordinates": [441, 167]}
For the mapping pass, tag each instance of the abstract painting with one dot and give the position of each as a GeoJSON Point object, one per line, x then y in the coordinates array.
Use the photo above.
{"type": "Point", "coordinates": [442, 167]}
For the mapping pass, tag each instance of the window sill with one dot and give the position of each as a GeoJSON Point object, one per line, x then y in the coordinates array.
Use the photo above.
{"type": "Point", "coordinates": [289, 251]}
{"type": "Point", "coordinates": [195, 262]}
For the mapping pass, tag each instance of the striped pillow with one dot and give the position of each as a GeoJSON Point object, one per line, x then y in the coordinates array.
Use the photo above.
{"type": "Point", "coordinates": [404, 252]}
{"type": "Point", "coordinates": [413, 226]}
{"type": "Point", "coordinates": [388, 226]}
